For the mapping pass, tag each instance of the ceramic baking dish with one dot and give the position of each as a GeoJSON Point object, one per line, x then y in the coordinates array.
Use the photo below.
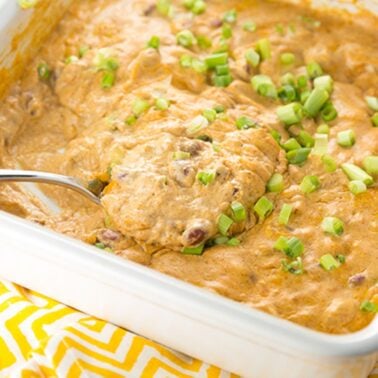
{"type": "Point", "coordinates": [174, 313]}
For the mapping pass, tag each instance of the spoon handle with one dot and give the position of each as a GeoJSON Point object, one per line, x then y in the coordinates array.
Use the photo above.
{"type": "Point", "coordinates": [13, 175]}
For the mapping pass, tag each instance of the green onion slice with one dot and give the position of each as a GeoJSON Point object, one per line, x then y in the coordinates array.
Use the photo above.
{"type": "Point", "coordinates": [181, 155]}
{"type": "Point", "coordinates": [186, 38]}
{"type": "Point", "coordinates": [328, 113]}
{"type": "Point", "coordinates": [263, 207]}
{"type": "Point", "coordinates": [193, 250]}
{"type": "Point", "coordinates": [316, 101]}
{"type": "Point", "coordinates": [314, 70]}
{"type": "Point", "coordinates": [224, 224]}
{"type": "Point", "coordinates": [197, 124]}
{"type": "Point", "coordinates": [249, 26]}
{"type": "Point", "coordinates": [218, 59]}
{"type": "Point", "coordinates": [264, 86]}
{"type": "Point", "coordinates": [294, 267]}
{"type": "Point", "coordinates": [370, 164]}
{"type": "Point", "coordinates": [292, 247]}
{"type": "Point", "coordinates": [309, 184]}
{"type": "Point", "coordinates": [328, 262]}
{"type": "Point", "coordinates": [333, 226]}
{"type": "Point", "coordinates": [264, 49]}
{"type": "Point", "coordinates": [368, 306]}
{"type": "Point", "coordinates": [346, 138]}
{"type": "Point", "coordinates": [357, 187]}
{"type": "Point", "coordinates": [139, 107]}
{"type": "Point", "coordinates": [372, 102]}
{"type": "Point", "coordinates": [324, 82]}
{"type": "Point", "coordinates": [162, 103]}
{"type": "Point", "coordinates": [321, 145]}
{"type": "Point", "coordinates": [244, 123]}
{"type": "Point", "coordinates": [44, 71]}
{"type": "Point", "coordinates": [252, 57]}
{"type": "Point", "coordinates": [290, 114]}
{"type": "Point", "coordinates": [154, 42]}
{"type": "Point", "coordinates": [206, 177]}
{"type": "Point", "coordinates": [329, 163]}
{"type": "Point", "coordinates": [285, 213]}
{"type": "Point", "coordinates": [356, 173]}
{"type": "Point", "coordinates": [239, 213]}
{"type": "Point", "coordinates": [298, 156]}
{"type": "Point", "coordinates": [374, 120]}
{"type": "Point", "coordinates": [287, 59]}
{"type": "Point", "coordinates": [276, 183]}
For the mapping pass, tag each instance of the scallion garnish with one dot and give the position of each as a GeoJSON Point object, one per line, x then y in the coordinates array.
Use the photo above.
{"type": "Point", "coordinates": [291, 144]}
{"type": "Point", "coordinates": [222, 80]}
{"type": "Point", "coordinates": [230, 16]}
{"type": "Point", "coordinates": [263, 207]}
{"type": "Point", "coordinates": [370, 164]}
{"type": "Point", "coordinates": [372, 103]}
{"type": "Point", "coordinates": [329, 163]}
{"type": "Point", "coordinates": [287, 59]}
{"type": "Point", "coordinates": [195, 6]}
{"type": "Point", "coordinates": [314, 70]}
{"type": "Point", "coordinates": [186, 38]}
{"type": "Point", "coordinates": [193, 250]}
{"type": "Point", "coordinates": [164, 7]}
{"type": "Point", "coordinates": [108, 79]}
{"type": "Point", "coordinates": [328, 112]}
{"type": "Point", "coordinates": [197, 124]}
{"type": "Point", "coordinates": [287, 93]}
{"type": "Point", "coordinates": [305, 139]}
{"type": "Point", "coordinates": [323, 129]}
{"type": "Point", "coordinates": [239, 213]}
{"type": "Point", "coordinates": [206, 177]}
{"type": "Point", "coordinates": [285, 213]}
{"type": "Point", "coordinates": [233, 242]}
{"type": "Point", "coordinates": [210, 114]}
{"type": "Point", "coordinates": [198, 65]}
{"type": "Point", "coordinates": [162, 103]}
{"type": "Point", "coordinates": [328, 262]}
{"type": "Point", "coordinates": [244, 123]}
{"type": "Point", "coordinates": [218, 59]}
{"type": "Point", "coordinates": [356, 173]}
{"type": "Point", "coordinates": [368, 306]}
{"type": "Point", "coordinates": [82, 51]}
{"type": "Point", "coordinates": [298, 156]}
{"type": "Point", "coordinates": [154, 42]}
{"type": "Point", "coordinates": [224, 224]}
{"type": "Point", "coordinates": [44, 71]}
{"type": "Point", "coordinates": [309, 184]}
{"type": "Point", "coordinates": [374, 120]}
{"type": "Point", "coordinates": [264, 86]}
{"type": "Point", "coordinates": [292, 247]}
{"type": "Point", "coordinates": [346, 138]}
{"type": "Point", "coordinates": [222, 70]}
{"type": "Point", "coordinates": [302, 82]}
{"type": "Point", "coordinates": [275, 183]}
{"type": "Point", "coordinates": [316, 101]}
{"type": "Point", "coordinates": [264, 49]}
{"type": "Point", "coordinates": [181, 155]}
{"type": "Point", "coordinates": [226, 31]}
{"type": "Point", "coordinates": [288, 79]}
{"type": "Point", "coordinates": [324, 82]}
{"type": "Point", "coordinates": [290, 114]}
{"type": "Point", "coordinates": [252, 57]}
{"type": "Point", "coordinates": [249, 26]}
{"type": "Point", "coordinates": [139, 107]}
{"type": "Point", "coordinates": [357, 187]}
{"type": "Point", "coordinates": [71, 59]}
{"type": "Point", "coordinates": [293, 267]}
{"type": "Point", "coordinates": [333, 226]}
{"type": "Point", "coordinates": [321, 144]}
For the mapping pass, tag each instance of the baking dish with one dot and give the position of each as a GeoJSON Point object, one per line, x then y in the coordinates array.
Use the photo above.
{"type": "Point", "coordinates": [172, 312]}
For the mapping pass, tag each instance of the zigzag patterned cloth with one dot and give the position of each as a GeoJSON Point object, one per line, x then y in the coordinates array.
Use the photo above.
{"type": "Point", "coordinates": [40, 337]}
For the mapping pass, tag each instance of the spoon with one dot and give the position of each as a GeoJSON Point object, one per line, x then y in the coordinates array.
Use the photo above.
{"type": "Point", "coordinates": [13, 175]}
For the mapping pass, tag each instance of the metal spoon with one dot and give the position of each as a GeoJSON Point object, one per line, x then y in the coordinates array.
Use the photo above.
{"type": "Point", "coordinates": [13, 175]}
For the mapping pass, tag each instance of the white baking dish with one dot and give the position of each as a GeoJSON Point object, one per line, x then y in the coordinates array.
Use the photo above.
{"type": "Point", "coordinates": [174, 313]}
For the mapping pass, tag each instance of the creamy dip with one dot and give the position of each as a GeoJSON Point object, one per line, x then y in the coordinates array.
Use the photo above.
{"type": "Point", "coordinates": [216, 134]}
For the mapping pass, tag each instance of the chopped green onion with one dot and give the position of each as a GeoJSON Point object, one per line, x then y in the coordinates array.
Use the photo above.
{"type": "Point", "coordinates": [198, 7]}
{"type": "Point", "coordinates": [108, 79]}
{"type": "Point", "coordinates": [218, 59]}
{"type": "Point", "coordinates": [288, 79]}
{"type": "Point", "coordinates": [220, 240]}
{"type": "Point", "coordinates": [333, 226]}
{"type": "Point", "coordinates": [186, 61]}
{"type": "Point", "coordinates": [226, 31]}
{"type": "Point", "coordinates": [357, 187]}
{"type": "Point", "coordinates": [321, 144]}
{"type": "Point", "coordinates": [210, 114]}
{"type": "Point", "coordinates": [294, 267]}
{"type": "Point", "coordinates": [26, 4]}
{"type": "Point", "coordinates": [280, 29]}
{"type": "Point", "coordinates": [224, 224]}
{"type": "Point", "coordinates": [323, 129]}
{"type": "Point", "coordinates": [264, 49]}
{"type": "Point", "coordinates": [298, 156]}
{"type": "Point", "coordinates": [304, 96]}
{"type": "Point", "coordinates": [276, 135]}
{"type": "Point", "coordinates": [82, 51]}
{"type": "Point", "coordinates": [315, 101]}
{"type": "Point", "coordinates": [222, 70]}
{"type": "Point", "coordinates": [290, 114]}
{"type": "Point", "coordinates": [233, 242]}
{"type": "Point", "coordinates": [287, 94]}
{"type": "Point", "coordinates": [239, 213]}
{"type": "Point", "coordinates": [100, 245]}
{"type": "Point", "coordinates": [139, 107]}
{"type": "Point", "coordinates": [162, 103]}
{"type": "Point", "coordinates": [193, 250]}
{"type": "Point", "coordinates": [309, 184]}
{"type": "Point", "coordinates": [314, 70]}
{"type": "Point", "coordinates": [244, 123]}
{"type": "Point", "coordinates": [164, 7]}
{"type": "Point", "coordinates": [71, 59]}
{"type": "Point", "coordinates": [130, 120]}
{"type": "Point", "coordinates": [197, 124]}
{"type": "Point", "coordinates": [341, 259]}
{"type": "Point", "coordinates": [372, 102]}
{"type": "Point", "coordinates": [205, 138]}
{"type": "Point", "coordinates": [291, 144]}
{"type": "Point", "coordinates": [374, 119]}
{"type": "Point", "coordinates": [222, 81]}
{"type": "Point", "coordinates": [324, 82]}
{"type": "Point", "coordinates": [292, 247]}
{"type": "Point", "coordinates": [285, 213]}
{"type": "Point", "coordinates": [206, 177]}
{"type": "Point", "coordinates": [287, 58]}
{"type": "Point", "coordinates": [328, 262]}
{"type": "Point", "coordinates": [198, 65]}
{"type": "Point", "coordinates": [104, 61]}
{"type": "Point", "coordinates": [356, 173]}
{"type": "Point", "coordinates": [252, 57]}
{"type": "Point", "coordinates": [370, 164]}
{"type": "Point", "coordinates": [264, 86]}
{"type": "Point", "coordinates": [154, 42]}
{"type": "Point", "coordinates": [263, 207]}
{"type": "Point", "coordinates": [230, 17]}
{"type": "Point", "coordinates": [367, 306]}
{"type": "Point", "coordinates": [328, 113]}
{"type": "Point", "coordinates": [203, 42]}
{"type": "Point", "coordinates": [181, 155]}
{"type": "Point", "coordinates": [276, 183]}
{"type": "Point", "coordinates": [305, 139]}
{"type": "Point", "coordinates": [219, 108]}
{"type": "Point", "coordinates": [346, 138]}
{"type": "Point", "coordinates": [185, 38]}
{"type": "Point", "coordinates": [44, 71]}
{"type": "Point", "coordinates": [329, 163]}
{"type": "Point", "coordinates": [249, 26]}
{"type": "Point", "coordinates": [302, 82]}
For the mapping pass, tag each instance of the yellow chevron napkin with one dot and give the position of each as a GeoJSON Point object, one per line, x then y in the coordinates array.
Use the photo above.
{"type": "Point", "coordinates": [40, 337]}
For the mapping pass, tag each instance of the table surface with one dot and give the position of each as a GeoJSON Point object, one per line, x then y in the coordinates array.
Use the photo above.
{"type": "Point", "coordinates": [40, 337]}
